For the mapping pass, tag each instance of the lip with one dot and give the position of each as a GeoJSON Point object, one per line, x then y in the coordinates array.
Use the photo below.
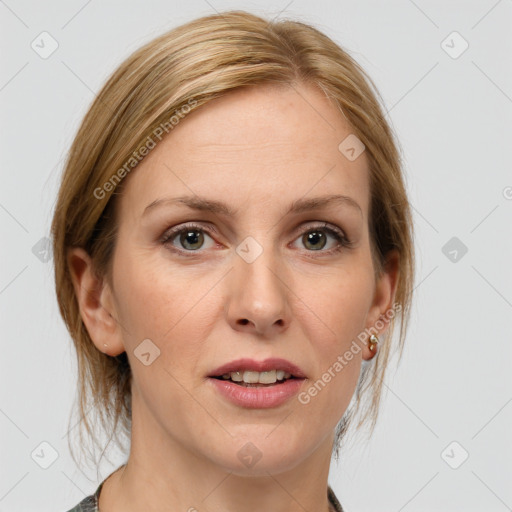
{"type": "Point", "coordinates": [247, 364]}
{"type": "Point", "coordinates": [258, 398]}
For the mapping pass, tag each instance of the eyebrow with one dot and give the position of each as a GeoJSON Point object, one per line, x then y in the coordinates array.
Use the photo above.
{"type": "Point", "coordinates": [300, 205]}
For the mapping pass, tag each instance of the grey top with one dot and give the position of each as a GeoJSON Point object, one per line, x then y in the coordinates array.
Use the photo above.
{"type": "Point", "coordinates": [90, 503]}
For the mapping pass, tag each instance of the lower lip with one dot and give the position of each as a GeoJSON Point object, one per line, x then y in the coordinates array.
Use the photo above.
{"type": "Point", "coordinates": [258, 398]}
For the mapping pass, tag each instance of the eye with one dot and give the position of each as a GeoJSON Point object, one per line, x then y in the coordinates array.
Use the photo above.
{"type": "Point", "coordinates": [191, 238]}
{"type": "Point", "coordinates": [316, 238]}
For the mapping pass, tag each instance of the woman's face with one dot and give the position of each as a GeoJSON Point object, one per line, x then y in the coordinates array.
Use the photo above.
{"type": "Point", "coordinates": [247, 281]}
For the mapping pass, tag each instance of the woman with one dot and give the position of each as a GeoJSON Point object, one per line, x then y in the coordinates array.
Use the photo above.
{"type": "Point", "coordinates": [233, 248]}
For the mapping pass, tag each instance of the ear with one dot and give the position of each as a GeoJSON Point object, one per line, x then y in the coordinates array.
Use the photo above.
{"type": "Point", "coordinates": [383, 300]}
{"type": "Point", "coordinates": [96, 303]}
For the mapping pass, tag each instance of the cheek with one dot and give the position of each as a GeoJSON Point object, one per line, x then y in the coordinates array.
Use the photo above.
{"type": "Point", "coordinates": [152, 298]}
{"type": "Point", "coordinates": [338, 309]}
{"type": "Point", "coordinates": [169, 306]}
{"type": "Point", "coordinates": [333, 320]}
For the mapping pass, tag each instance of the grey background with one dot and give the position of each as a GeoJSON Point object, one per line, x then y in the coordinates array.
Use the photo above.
{"type": "Point", "coordinates": [452, 117]}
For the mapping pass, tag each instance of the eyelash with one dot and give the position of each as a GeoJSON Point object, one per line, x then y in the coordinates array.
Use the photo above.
{"type": "Point", "coordinates": [336, 233]}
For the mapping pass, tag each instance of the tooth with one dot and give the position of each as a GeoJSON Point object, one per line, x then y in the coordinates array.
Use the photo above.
{"type": "Point", "coordinates": [251, 377]}
{"type": "Point", "coordinates": [254, 377]}
{"type": "Point", "coordinates": [267, 377]}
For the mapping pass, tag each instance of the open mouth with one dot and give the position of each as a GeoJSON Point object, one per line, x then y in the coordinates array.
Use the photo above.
{"type": "Point", "coordinates": [256, 384]}
{"type": "Point", "coordinates": [258, 387]}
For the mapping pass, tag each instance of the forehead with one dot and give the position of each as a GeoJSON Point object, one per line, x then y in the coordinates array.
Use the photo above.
{"type": "Point", "coordinates": [257, 146]}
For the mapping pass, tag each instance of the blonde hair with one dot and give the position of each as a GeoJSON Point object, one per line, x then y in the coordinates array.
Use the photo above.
{"type": "Point", "coordinates": [192, 65]}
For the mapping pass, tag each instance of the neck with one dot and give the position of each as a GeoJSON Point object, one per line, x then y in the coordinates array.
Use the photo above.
{"type": "Point", "coordinates": [162, 473]}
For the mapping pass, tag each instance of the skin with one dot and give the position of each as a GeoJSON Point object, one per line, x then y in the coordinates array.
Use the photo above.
{"type": "Point", "coordinates": [257, 150]}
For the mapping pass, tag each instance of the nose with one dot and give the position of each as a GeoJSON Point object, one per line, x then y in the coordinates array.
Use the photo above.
{"type": "Point", "coordinates": [258, 296]}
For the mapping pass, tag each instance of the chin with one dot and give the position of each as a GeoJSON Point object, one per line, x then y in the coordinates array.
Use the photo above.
{"type": "Point", "coordinates": [261, 453]}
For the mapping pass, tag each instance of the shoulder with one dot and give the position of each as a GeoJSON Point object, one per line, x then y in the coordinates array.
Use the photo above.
{"type": "Point", "coordinates": [89, 503]}
{"type": "Point", "coordinates": [333, 500]}
{"type": "Point", "coordinates": [86, 505]}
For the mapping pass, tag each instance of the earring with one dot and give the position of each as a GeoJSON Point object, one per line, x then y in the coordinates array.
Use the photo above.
{"type": "Point", "coordinates": [373, 341]}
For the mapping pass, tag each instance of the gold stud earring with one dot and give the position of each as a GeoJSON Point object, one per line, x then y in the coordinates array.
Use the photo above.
{"type": "Point", "coordinates": [374, 340]}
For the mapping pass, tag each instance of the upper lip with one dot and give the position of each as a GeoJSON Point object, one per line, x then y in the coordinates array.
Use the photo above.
{"type": "Point", "coordinates": [246, 364]}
